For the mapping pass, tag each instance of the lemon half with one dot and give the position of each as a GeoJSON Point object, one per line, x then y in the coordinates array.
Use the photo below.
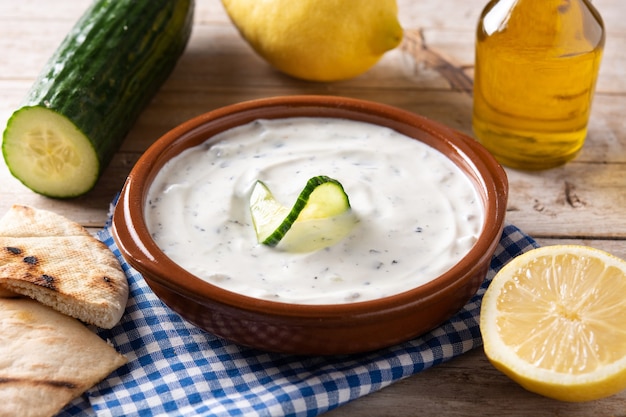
{"type": "Point", "coordinates": [554, 320]}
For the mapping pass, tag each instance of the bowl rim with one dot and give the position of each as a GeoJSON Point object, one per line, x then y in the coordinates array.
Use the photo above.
{"type": "Point", "coordinates": [141, 251]}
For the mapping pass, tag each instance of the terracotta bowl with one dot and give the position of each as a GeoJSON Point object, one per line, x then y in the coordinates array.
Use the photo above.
{"type": "Point", "coordinates": [311, 329]}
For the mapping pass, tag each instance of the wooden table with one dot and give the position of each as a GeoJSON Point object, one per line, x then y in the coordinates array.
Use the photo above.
{"type": "Point", "coordinates": [430, 73]}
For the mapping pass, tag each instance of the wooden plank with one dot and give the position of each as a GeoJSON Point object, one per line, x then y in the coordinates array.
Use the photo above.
{"type": "Point", "coordinates": [616, 247]}
{"type": "Point", "coordinates": [567, 200]}
{"type": "Point", "coordinates": [470, 386]}
{"type": "Point", "coordinates": [582, 202]}
{"type": "Point", "coordinates": [218, 55]}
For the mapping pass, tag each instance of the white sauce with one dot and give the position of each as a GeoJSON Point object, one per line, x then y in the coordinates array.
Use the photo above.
{"type": "Point", "coordinates": [418, 213]}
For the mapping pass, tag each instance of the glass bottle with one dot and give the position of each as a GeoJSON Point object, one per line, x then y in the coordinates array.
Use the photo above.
{"type": "Point", "coordinates": [537, 62]}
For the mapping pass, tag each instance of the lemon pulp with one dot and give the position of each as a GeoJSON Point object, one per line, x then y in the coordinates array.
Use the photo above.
{"type": "Point", "coordinates": [553, 319]}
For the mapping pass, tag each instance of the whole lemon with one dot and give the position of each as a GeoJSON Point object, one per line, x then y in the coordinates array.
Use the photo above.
{"type": "Point", "coordinates": [318, 40]}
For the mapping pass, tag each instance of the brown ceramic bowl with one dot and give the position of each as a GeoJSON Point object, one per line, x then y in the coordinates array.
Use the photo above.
{"type": "Point", "coordinates": [311, 329]}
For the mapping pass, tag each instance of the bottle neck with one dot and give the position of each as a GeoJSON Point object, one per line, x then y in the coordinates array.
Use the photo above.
{"type": "Point", "coordinates": [572, 25]}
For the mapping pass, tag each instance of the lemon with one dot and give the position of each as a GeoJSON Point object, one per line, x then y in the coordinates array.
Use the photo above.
{"type": "Point", "coordinates": [554, 320]}
{"type": "Point", "coordinates": [318, 40]}
{"type": "Point", "coordinates": [319, 218]}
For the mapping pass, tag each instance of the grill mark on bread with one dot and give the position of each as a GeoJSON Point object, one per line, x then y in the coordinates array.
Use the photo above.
{"type": "Point", "coordinates": [47, 281]}
{"type": "Point", "coordinates": [27, 381]}
{"type": "Point", "coordinates": [13, 250]}
{"type": "Point", "coordinates": [31, 260]}
{"type": "Point", "coordinates": [109, 282]}
{"type": "Point", "coordinates": [41, 280]}
{"type": "Point", "coordinates": [34, 275]}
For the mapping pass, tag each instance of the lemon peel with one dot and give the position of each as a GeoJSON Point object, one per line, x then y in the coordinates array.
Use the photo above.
{"type": "Point", "coordinates": [318, 40]}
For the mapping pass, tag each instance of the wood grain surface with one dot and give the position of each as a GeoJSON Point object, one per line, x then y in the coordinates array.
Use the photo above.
{"type": "Point", "coordinates": [431, 74]}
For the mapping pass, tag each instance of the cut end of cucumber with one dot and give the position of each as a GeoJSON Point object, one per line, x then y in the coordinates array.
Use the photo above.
{"type": "Point", "coordinates": [48, 154]}
{"type": "Point", "coordinates": [320, 217]}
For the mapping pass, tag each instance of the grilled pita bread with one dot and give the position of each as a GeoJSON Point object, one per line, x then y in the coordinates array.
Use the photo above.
{"type": "Point", "coordinates": [57, 262]}
{"type": "Point", "coordinates": [47, 359]}
{"type": "Point", "coordinates": [7, 294]}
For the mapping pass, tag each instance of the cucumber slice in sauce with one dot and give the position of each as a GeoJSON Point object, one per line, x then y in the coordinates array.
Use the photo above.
{"type": "Point", "coordinates": [48, 153]}
{"type": "Point", "coordinates": [320, 217]}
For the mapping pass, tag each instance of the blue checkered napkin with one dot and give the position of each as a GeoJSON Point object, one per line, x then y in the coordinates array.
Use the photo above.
{"type": "Point", "coordinates": [175, 369]}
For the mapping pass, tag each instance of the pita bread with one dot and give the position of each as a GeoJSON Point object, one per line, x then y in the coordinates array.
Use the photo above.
{"type": "Point", "coordinates": [47, 359]}
{"type": "Point", "coordinates": [6, 293]}
{"type": "Point", "coordinates": [24, 221]}
{"type": "Point", "coordinates": [57, 262]}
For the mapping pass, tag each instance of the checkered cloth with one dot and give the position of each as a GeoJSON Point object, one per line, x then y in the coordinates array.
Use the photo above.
{"type": "Point", "coordinates": [176, 369]}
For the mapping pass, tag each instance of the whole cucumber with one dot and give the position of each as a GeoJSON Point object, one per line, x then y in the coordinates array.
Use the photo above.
{"type": "Point", "coordinates": [91, 92]}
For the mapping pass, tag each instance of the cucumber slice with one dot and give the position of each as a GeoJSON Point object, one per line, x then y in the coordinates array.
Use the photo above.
{"type": "Point", "coordinates": [267, 213]}
{"type": "Point", "coordinates": [320, 217]}
{"type": "Point", "coordinates": [48, 153]}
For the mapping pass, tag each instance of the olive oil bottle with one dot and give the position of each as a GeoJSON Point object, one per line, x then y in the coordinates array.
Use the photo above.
{"type": "Point", "coordinates": [537, 62]}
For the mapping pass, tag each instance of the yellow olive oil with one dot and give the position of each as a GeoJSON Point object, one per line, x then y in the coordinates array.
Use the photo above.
{"type": "Point", "coordinates": [537, 62]}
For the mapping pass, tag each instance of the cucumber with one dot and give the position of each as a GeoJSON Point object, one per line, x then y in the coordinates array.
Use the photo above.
{"type": "Point", "coordinates": [91, 92]}
{"type": "Point", "coordinates": [320, 217]}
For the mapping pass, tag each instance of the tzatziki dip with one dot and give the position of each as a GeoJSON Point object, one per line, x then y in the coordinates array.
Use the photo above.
{"type": "Point", "coordinates": [418, 213]}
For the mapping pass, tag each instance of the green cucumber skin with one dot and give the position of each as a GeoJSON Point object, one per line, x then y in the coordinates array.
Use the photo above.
{"type": "Point", "coordinates": [302, 200]}
{"type": "Point", "coordinates": [110, 66]}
